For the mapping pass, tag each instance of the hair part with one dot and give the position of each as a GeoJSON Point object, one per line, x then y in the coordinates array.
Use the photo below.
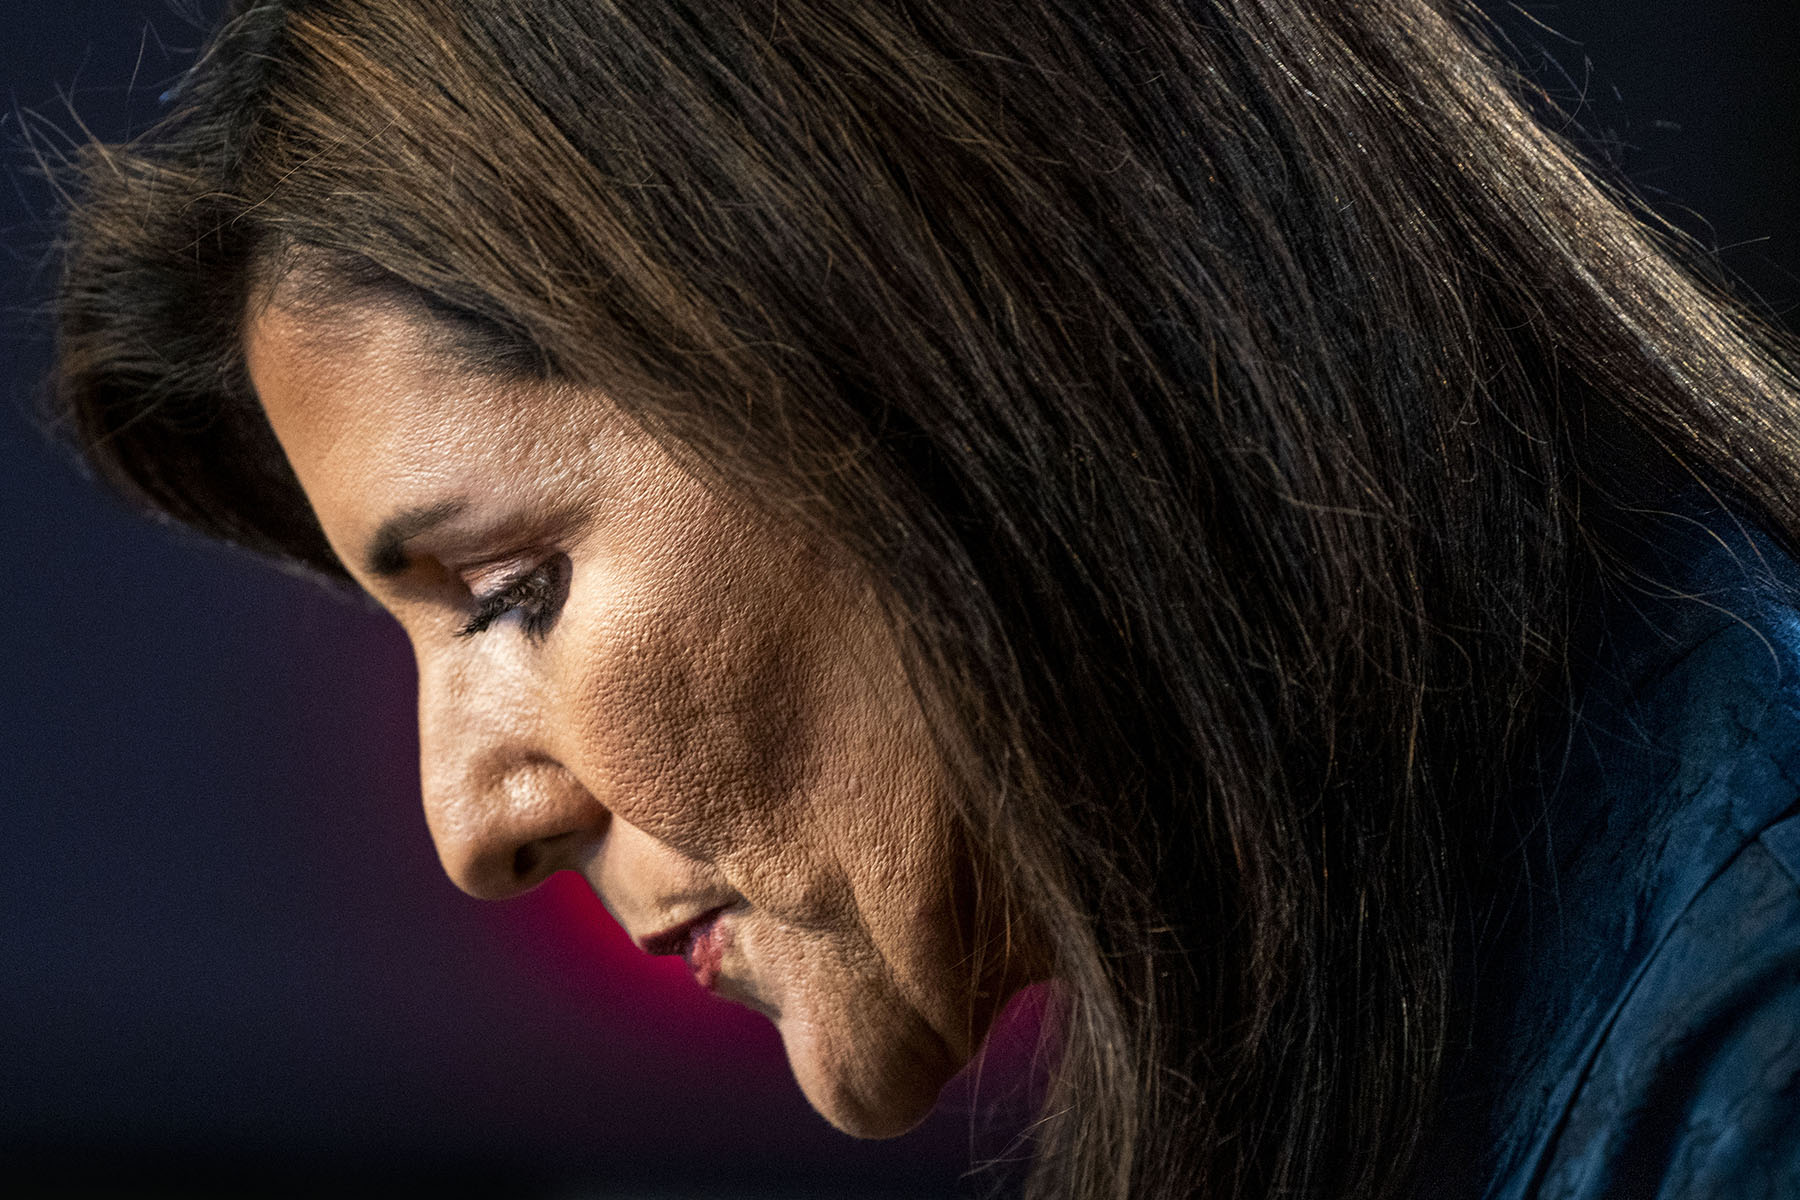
{"type": "Point", "coordinates": [1227, 398]}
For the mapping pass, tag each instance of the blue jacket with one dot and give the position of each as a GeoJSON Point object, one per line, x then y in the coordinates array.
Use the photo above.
{"type": "Point", "coordinates": [1636, 1028]}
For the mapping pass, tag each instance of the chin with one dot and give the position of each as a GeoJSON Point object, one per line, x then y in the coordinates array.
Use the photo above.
{"type": "Point", "coordinates": [865, 1084]}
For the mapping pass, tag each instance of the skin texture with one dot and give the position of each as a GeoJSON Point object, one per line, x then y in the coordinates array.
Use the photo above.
{"type": "Point", "coordinates": [714, 715]}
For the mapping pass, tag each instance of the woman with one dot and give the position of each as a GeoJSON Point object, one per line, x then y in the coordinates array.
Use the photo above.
{"type": "Point", "coordinates": [911, 500]}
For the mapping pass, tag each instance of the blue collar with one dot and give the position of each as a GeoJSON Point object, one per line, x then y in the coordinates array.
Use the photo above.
{"type": "Point", "coordinates": [1678, 744]}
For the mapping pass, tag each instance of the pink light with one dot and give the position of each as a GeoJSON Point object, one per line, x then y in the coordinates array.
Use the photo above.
{"type": "Point", "coordinates": [654, 1000]}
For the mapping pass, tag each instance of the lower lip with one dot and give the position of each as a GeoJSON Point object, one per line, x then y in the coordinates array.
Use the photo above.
{"type": "Point", "coordinates": [705, 952]}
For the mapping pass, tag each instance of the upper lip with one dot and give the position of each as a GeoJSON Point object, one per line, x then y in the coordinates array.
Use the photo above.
{"type": "Point", "coordinates": [677, 938]}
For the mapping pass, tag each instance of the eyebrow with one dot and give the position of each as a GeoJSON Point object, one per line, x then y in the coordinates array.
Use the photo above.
{"type": "Point", "coordinates": [385, 556]}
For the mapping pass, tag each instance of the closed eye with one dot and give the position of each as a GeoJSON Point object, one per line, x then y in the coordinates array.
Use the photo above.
{"type": "Point", "coordinates": [536, 596]}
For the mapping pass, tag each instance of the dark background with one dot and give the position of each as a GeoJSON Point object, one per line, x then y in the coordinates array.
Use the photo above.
{"type": "Point", "coordinates": [228, 959]}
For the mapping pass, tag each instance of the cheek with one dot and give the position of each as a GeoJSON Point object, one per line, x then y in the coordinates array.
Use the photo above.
{"type": "Point", "coordinates": [734, 703]}
{"type": "Point", "coordinates": [694, 726]}
{"type": "Point", "coordinates": [736, 706]}
{"type": "Point", "coordinates": [702, 683]}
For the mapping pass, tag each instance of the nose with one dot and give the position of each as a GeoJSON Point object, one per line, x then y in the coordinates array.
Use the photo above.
{"type": "Point", "coordinates": [504, 812]}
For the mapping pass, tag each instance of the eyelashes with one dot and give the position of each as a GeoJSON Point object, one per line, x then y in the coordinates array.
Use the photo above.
{"type": "Point", "coordinates": [536, 596]}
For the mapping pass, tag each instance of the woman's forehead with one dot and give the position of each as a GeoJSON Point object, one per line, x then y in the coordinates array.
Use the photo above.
{"type": "Point", "coordinates": [321, 378]}
{"type": "Point", "coordinates": [380, 361]}
{"type": "Point", "coordinates": [374, 416]}
{"type": "Point", "coordinates": [365, 405]}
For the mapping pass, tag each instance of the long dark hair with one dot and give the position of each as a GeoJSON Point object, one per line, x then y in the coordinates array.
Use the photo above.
{"type": "Point", "coordinates": [1224, 394]}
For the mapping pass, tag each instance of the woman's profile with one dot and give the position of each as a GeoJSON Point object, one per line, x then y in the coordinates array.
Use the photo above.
{"type": "Point", "coordinates": [1213, 508]}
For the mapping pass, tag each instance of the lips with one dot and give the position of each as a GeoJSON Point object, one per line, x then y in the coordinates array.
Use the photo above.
{"type": "Point", "coordinates": [698, 940]}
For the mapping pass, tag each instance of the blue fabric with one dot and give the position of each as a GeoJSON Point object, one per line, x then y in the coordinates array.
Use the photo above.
{"type": "Point", "coordinates": [1637, 1014]}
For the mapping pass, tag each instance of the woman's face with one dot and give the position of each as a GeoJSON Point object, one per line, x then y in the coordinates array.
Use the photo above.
{"type": "Point", "coordinates": [626, 675]}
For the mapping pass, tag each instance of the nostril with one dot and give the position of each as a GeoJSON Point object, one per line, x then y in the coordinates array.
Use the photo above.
{"type": "Point", "coordinates": [525, 861]}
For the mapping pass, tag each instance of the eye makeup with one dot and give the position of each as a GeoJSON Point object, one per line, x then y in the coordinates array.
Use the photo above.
{"type": "Point", "coordinates": [536, 595]}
